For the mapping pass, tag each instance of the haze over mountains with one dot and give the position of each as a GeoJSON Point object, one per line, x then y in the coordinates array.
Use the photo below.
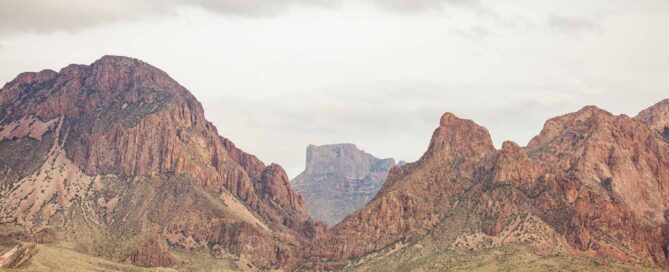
{"type": "Point", "coordinates": [338, 179]}
{"type": "Point", "coordinates": [115, 163]}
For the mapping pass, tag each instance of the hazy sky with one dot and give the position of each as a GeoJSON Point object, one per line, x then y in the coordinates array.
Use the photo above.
{"type": "Point", "coordinates": [275, 76]}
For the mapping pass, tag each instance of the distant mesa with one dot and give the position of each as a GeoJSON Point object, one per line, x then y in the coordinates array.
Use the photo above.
{"type": "Point", "coordinates": [338, 179]}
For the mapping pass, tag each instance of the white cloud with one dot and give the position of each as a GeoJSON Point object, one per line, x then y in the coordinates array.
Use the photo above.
{"type": "Point", "coordinates": [570, 25]}
{"type": "Point", "coordinates": [17, 16]}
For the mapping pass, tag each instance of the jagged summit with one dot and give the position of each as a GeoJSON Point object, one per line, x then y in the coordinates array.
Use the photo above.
{"type": "Point", "coordinates": [657, 118]}
{"type": "Point", "coordinates": [447, 118]}
{"type": "Point", "coordinates": [458, 137]}
{"type": "Point", "coordinates": [590, 184]}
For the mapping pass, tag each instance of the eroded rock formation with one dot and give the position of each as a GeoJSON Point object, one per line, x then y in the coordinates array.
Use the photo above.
{"type": "Point", "coordinates": [339, 179]}
{"type": "Point", "coordinates": [117, 151]}
{"type": "Point", "coordinates": [591, 184]}
{"type": "Point", "coordinates": [657, 118]}
{"type": "Point", "coordinates": [118, 159]}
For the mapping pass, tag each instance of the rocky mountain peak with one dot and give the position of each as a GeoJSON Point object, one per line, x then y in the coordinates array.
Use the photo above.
{"type": "Point", "coordinates": [457, 137]}
{"type": "Point", "coordinates": [77, 90]}
{"type": "Point", "coordinates": [447, 118]}
{"type": "Point", "coordinates": [512, 150]}
{"type": "Point", "coordinates": [657, 118]}
{"type": "Point", "coordinates": [511, 165]}
{"type": "Point", "coordinates": [582, 121]}
{"type": "Point", "coordinates": [116, 60]}
{"type": "Point", "coordinates": [120, 141]}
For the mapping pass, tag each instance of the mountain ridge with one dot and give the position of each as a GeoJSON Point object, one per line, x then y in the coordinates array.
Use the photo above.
{"type": "Point", "coordinates": [590, 184]}
{"type": "Point", "coordinates": [116, 160]}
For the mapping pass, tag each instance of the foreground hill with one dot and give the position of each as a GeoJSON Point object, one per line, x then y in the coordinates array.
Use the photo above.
{"type": "Point", "coordinates": [591, 185]}
{"type": "Point", "coordinates": [338, 180]}
{"type": "Point", "coordinates": [117, 160]}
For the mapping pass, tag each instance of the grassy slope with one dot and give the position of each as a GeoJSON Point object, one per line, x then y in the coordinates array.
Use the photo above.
{"type": "Point", "coordinates": [52, 258]}
{"type": "Point", "coordinates": [501, 259]}
{"type": "Point", "coordinates": [61, 257]}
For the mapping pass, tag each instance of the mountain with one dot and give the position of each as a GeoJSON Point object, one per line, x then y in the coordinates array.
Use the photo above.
{"type": "Point", "coordinates": [339, 179]}
{"type": "Point", "coordinates": [113, 165]}
{"type": "Point", "coordinates": [116, 160]}
{"type": "Point", "coordinates": [591, 185]}
{"type": "Point", "coordinates": [657, 118]}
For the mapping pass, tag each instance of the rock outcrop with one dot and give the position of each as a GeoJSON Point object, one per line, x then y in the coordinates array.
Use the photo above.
{"type": "Point", "coordinates": [115, 151]}
{"type": "Point", "coordinates": [657, 118]}
{"type": "Point", "coordinates": [339, 179]}
{"type": "Point", "coordinates": [152, 253]}
{"type": "Point", "coordinates": [591, 184]}
{"type": "Point", "coordinates": [17, 256]}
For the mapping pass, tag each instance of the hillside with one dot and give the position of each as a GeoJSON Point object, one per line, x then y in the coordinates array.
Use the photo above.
{"type": "Point", "coordinates": [118, 159]}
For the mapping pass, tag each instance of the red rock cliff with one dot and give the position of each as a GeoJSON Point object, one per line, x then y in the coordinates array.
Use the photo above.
{"type": "Point", "coordinates": [590, 184]}
{"type": "Point", "coordinates": [120, 138]}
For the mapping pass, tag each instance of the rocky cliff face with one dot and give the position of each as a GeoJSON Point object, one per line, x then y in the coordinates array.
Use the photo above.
{"type": "Point", "coordinates": [118, 157]}
{"type": "Point", "coordinates": [657, 118]}
{"type": "Point", "coordinates": [339, 179]}
{"type": "Point", "coordinates": [591, 184]}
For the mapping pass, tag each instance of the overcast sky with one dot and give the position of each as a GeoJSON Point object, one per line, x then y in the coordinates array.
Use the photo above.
{"type": "Point", "coordinates": [277, 75]}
